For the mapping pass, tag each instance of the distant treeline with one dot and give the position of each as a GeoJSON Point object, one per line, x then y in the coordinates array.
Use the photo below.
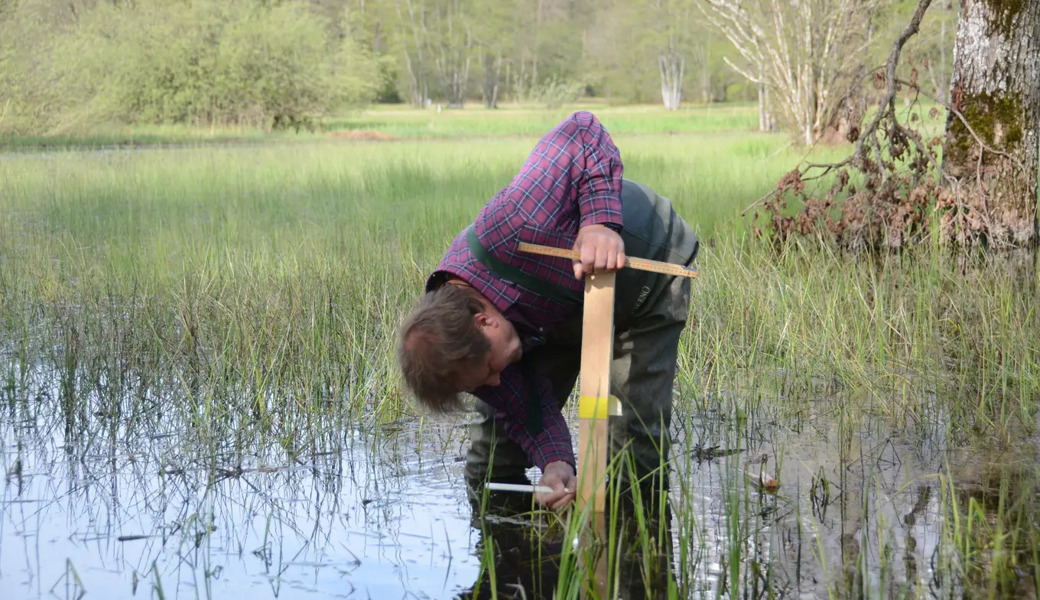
{"type": "Point", "coordinates": [69, 64]}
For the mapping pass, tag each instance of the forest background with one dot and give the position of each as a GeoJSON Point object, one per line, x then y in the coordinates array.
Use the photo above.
{"type": "Point", "coordinates": [70, 66]}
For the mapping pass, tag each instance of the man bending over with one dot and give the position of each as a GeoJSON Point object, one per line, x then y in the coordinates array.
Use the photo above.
{"type": "Point", "coordinates": [505, 326]}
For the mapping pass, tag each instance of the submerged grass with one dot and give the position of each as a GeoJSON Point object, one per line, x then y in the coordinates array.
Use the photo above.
{"type": "Point", "coordinates": [245, 299]}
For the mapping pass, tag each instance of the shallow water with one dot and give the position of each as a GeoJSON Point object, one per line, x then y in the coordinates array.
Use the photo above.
{"type": "Point", "coordinates": [386, 518]}
{"type": "Point", "coordinates": [861, 510]}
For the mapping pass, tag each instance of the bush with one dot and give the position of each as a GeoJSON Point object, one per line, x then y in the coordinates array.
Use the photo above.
{"type": "Point", "coordinates": [206, 62]}
{"type": "Point", "coordinates": [28, 93]}
{"type": "Point", "coordinates": [555, 92]}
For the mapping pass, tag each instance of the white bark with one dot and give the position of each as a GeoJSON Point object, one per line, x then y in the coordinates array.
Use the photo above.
{"type": "Point", "coordinates": [806, 53]}
{"type": "Point", "coordinates": [672, 36]}
{"type": "Point", "coordinates": [672, 67]}
{"type": "Point", "coordinates": [455, 55]}
{"type": "Point", "coordinates": [414, 54]}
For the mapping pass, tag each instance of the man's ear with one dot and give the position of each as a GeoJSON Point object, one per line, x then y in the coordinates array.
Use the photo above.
{"type": "Point", "coordinates": [482, 320]}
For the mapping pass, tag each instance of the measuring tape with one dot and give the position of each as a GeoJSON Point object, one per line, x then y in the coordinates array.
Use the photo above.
{"type": "Point", "coordinates": [642, 264]}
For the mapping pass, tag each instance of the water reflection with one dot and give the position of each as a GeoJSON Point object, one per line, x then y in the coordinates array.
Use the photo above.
{"type": "Point", "coordinates": [864, 507]}
{"type": "Point", "coordinates": [526, 553]}
{"type": "Point", "coordinates": [381, 513]}
{"type": "Point", "coordinates": [524, 556]}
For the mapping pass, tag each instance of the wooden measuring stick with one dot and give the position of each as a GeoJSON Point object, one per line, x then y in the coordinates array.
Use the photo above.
{"type": "Point", "coordinates": [595, 405]}
{"type": "Point", "coordinates": [633, 262]}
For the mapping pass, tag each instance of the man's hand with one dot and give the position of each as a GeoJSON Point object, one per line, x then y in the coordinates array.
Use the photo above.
{"type": "Point", "coordinates": [600, 249]}
{"type": "Point", "coordinates": [560, 477]}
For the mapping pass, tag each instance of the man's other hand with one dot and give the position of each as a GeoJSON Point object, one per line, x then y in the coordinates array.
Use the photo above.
{"type": "Point", "coordinates": [600, 249]}
{"type": "Point", "coordinates": [560, 477]}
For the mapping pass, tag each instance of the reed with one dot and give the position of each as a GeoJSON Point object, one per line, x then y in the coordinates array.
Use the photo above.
{"type": "Point", "coordinates": [244, 299]}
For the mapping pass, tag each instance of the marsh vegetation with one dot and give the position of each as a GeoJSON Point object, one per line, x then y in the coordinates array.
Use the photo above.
{"type": "Point", "coordinates": [198, 393]}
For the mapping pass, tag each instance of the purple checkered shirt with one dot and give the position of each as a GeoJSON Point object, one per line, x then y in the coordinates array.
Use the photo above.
{"type": "Point", "coordinates": [570, 180]}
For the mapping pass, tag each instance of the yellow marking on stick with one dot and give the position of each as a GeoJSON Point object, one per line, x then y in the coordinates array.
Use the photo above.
{"type": "Point", "coordinates": [598, 407]}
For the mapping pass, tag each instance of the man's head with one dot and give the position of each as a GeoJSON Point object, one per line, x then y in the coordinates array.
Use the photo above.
{"type": "Point", "coordinates": [454, 341]}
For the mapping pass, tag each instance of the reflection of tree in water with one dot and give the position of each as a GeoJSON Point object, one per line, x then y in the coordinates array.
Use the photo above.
{"type": "Point", "coordinates": [153, 498]}
{"type": "Point", "coordinates": [861, 511]}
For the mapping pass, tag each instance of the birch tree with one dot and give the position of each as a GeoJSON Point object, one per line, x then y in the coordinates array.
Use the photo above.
{"type": "Point", "coordinates": [673, 39]}
{"type": "Point", "coordinates": [414, 41]}
{"type": "Point", "coordinates": [631, 39]}
{"type": "Point", "coordinates": [452, 40]}
{"type": "Point", "coordinates": [991, 150]}
{"type": "Point", "coordinates": [806, 55]}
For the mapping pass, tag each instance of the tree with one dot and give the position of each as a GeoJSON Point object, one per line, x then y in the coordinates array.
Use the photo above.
{"type": "Point", "coordinates": [892, 189]}
{"type": "Point", "coordinates": [621, 60]}
{"type": "Point", "coordinates": [209, 62]}
{"type": "Point", "coordinates": [371, 25]}
{"type": "Point", "coordinates": [30, 92]}
{"type": "Point", "coordinates": [806, 55]}
{"type": "Point", "coordinates": [453, 41]}
{"type": "Point", "coordinates": [436, 40]}
{"type": "Point", "coordinates": [675, 45]}
{"type": "Point", "coordinates": [928, 52]}
{"type": "Point", "coordinates": [493, 38]}
{"type": "Point", "coordinates": [551, 50]}
{"type": "Point", "coordinates": [414, 41]}
{"type": "Point", "coordinates": [642, 49]}
{"type": "Point", "coordinates": [990, 154]}
{"type": "Point", "coordinates": [935, 48]}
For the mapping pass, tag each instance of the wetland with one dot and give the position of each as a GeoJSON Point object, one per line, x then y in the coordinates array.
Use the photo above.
{"type": "Point", "coordinates": [198, 397]}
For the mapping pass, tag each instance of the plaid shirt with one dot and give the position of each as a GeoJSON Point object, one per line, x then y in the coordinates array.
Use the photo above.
{"type": "Point", "coordinates": [570, 180]}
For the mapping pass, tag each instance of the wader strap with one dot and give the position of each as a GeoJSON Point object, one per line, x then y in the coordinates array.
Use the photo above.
{"type": "Point", "coordinates": [511, 273]}
{"type": "Point", "coordinates": [535, 424]}
{"type": "Point", "coordinates": [534, 404]}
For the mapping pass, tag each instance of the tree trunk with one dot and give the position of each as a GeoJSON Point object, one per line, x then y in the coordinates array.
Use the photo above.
{"type": "Point", "coordinates": [807, 53]}
{"type": "Point", "coordinates": [706, 92]}
{"type": "Point", "coordinates": [992, 162]}
{"type": "Point", "coordinates": [762, 125]}
{"type": "Point", "coordinates": [492, 75]}
{"type": "Point", "coordinates": [672, 67]}
{"type": "Point", "coordinates": [413, 56]}
{"type": "Point", "coordinates": [455, 42]}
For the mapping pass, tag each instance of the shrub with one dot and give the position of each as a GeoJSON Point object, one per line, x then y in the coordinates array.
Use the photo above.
{"type": "Point", "coordinates": [207, 62]}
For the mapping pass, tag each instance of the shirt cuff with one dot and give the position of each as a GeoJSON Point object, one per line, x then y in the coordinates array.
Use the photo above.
{"type": "Point", "coordinates": [545, 458]}
{"type": "Point", "coordinates": [604, 211]}
{"type": "Point", "coordinates": [603, 219]}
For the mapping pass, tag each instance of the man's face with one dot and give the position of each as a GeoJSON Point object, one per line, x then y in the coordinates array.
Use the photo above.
{"type": "Point", "coordinates": [505, 350]}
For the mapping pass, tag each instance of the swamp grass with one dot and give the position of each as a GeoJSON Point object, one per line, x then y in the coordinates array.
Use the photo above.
{"type": "Point", "coordinates": [404, 122]}
{"type": "Point", "coordinates": [244, 299]}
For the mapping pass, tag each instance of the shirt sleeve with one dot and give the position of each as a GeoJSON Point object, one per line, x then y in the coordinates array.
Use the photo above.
{"type": "Point", "coordinates": [599, 183]}
{"type": "Point", "coordinates": [573, 176]}
{"type": "Point", "coordinates": [512, 400]}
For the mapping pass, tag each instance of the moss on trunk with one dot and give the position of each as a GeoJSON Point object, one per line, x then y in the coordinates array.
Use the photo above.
{"type": "Point", "coordinates": [1005, 12]}
{"type": "Point", "coordinates": [997, 120]}
{"type": "Point", "coordinates": [995, 89]}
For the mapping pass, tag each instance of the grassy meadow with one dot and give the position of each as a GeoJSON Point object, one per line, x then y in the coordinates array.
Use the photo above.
{"type": "Point", "coordinates": [243, 298]}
